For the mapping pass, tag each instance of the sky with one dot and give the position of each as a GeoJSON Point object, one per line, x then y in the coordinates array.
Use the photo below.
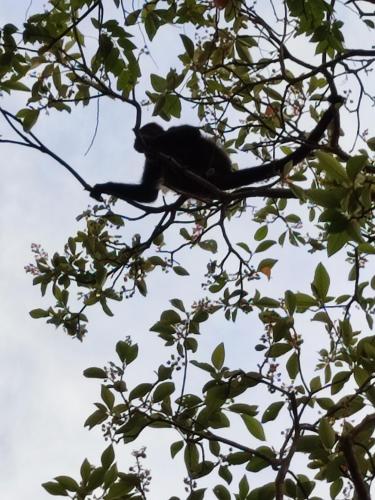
{"type": "Point", "coordinates": [43, 395]}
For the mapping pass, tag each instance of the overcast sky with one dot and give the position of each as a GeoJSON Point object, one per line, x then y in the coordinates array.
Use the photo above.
{"type": "Point", "coordinates": [43, 396]}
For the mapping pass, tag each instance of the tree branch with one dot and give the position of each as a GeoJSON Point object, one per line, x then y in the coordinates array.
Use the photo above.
{"type": "Point", "coordinates": [38, 145]}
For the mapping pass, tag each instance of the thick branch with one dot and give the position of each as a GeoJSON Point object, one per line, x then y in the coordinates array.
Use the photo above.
{"type": "Point", "coordinates": [38, 145]}
{"type": "Point", "coordinates": [360, 486]}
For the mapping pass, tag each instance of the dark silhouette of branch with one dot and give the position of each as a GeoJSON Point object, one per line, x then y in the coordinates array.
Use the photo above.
{"type": "Point", "coordinates": [360, 486]}
{"type": "Point", "coordinates": [35, 143]}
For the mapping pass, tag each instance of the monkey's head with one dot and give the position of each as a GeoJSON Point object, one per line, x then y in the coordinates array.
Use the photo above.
{"type": "Point", "coordinates": [146, 136]}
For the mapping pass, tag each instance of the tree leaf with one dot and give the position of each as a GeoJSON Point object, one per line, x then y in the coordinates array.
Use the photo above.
{"type": "Point", "coordinates": [176, 447]}
{"type": "Point", "coordinates": [162, 391]}
{"type": "Point", "coordinates": [180, 271]}
{"type": "Point", "coordinates": [331, 166]}
{"type": "Point", "coordinates": [218, 356]}
{"type": "Point", "coordinates": [95, 372]}
{"type": "Point", "coordinates": [189, 45]}
{"type": "Point", "coordinates": [55, 489]}
{"type": "Point", "coordinates": [320, 285]}
{"type": "Point", "coordinates": [326, 433]}
{"type": "Point", "coordinates": [272, 411]}
{"type": "Point", "coordinates": [221, 492]}
{"type": "Point", "coordinates": [254, 427]}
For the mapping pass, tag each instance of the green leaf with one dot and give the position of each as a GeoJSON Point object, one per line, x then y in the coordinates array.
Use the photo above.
{"type": "Point", "coordinates": [225, 473]}
{"type": "Point", "coordinates": [366, 248]}
{"type": "Point", "coordinates": [331, 166]}
{"type": "Point", "coordinates": [96, 478]}
{"type": "Point", "coordinates": [94, 372]}
{"type": "Point", "coordinates": [200, 316]}
{"type": "Point", "coordinates": [265, 492]}
{"type": "Point", "coordinates": [176, 447]}
{"type": "Point", "coordinates": [238, 457]}
{"type": "Point", "coordinates": [164, 372]}
{"type": "Point", "coordinates": [257, 464]}
{"type": "Point", "coordinates": [170, 316]}
{"type": "Point", "coordinates": [196, 494]}
{"type": "Point", "coordinates": [330, 198]}
{"type": "Point", "coordinates": [120, 490]}
{"type": "Point", "coordinates": [162, 391]}
{"type": "Point", "coordinates": [209, 245]}
{"type": "Point", "coordinates": [272, 411]}
{"type": "Point", "coordinates": [151, 24]}
{"type": "Point", "coordinates": [221, 492]}
{"type": "Point", "coordinates": [308, 444]}
{"type": "Point", "coordinates": [189, 45]}
{"type": "Point", "coordinates": [141, 286]}
{"type": "Point", "coordinates": [244, 53]}
{"type": "Point", "coordinates": [261, 233]}
{"type": "Point", "coordinates": [292, 366]}
{"type": "Point", "coordinates": [96, 418]}
{"type": "Point", "coordinates": [67, 482]}
{"type": "Point", "coordinates": [105, 307]}
{"type": "Point", "coordinates": [107, 397]}
{"type": "Point", "coordinates": [155, 260]}
{"type": "Point", "coordinates": [85, 469]}
{"type": "Point", "coordinates": [315, 384]}
{"type": "Point", "coordinates": [158, 83]}
{"type": "Point", "coordinates": [251, 410]}
{"type": "Point", "coordinates": [305, 301]}
{"type": "Point", "coordinates": [320, 285]}
{"type": "Point", "coordinates": [325, 403]}
{"type": "Point", "coordinates": [355, 164]}
{"type": "Point", "coordinates": [336, 487]}
{"type": "Point", "coordinates": [281, 329]}
{"type": "Point", "coordinates": [339, 381]}
{"type": "Point", "coordinates": [126, 352]}
{"type": "Point", "coordinates": [178, 304]}
{"type": "Point", "coordinates": [132, 17]}
{"type": "Point", "coordinates": [243, 487]}
{"type": "Point", "coordinates": [165, 329]}
{"type": "Point", "coordinates": [254, 427]}
{"type": "Point", "coordinates": [140, 391]}
{"type": "Point", "coordinates": [218, 356]}
{"type": "Point", "coordinates": [278, 349]}
{"type": "Point", "coordinates": [55, 489]}
{"type": "Point", "coordinates": [181, 271]}
{"type": "Point", "coordinates": [326, 433]}
{"type": "Point", "coordinates": [172, 105]}
{"type": "Point", "coordinates": [39, 313]}
{"type": "Point", "coordinates": [14, 85]}
{"type": "Point", "coordinates": [108, 457]}
{"type": "Point", "coordinates": [335, 242]}
{"type": "Point", "coordinates": [29, 117]}
{"type": "Point", "coordinates": [10, 29]}
{"type": "Point", "coordinates": [215, 448]}
{"type": "Point", "coordinates": [191, 456]}
{"type": "Point", "coordinates": [290, 301]}
{"type": "Point", "coordinates": [264, 245]}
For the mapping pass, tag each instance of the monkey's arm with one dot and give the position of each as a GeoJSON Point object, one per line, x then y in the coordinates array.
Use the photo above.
{"type": "Point", "coordinates": [145, 192]}
{"type": "Point", "coordinates": [266, 171]}
{"type": "Point", "coordinates": [132, 192]}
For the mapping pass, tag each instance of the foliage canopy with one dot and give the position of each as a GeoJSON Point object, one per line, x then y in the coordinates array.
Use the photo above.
{"type": "Point", "coordinates": [257, 76]}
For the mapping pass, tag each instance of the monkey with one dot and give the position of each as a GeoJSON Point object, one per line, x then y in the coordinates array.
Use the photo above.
{"type": "Point", "coordinates": [186, 146]}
